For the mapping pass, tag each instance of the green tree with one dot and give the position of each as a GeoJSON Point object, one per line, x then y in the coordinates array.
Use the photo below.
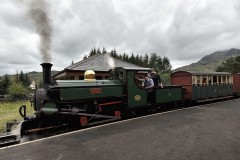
{"type": "Point", "coordinates": [26, 83]}
{"type": "Point", "coordinates": [85, 57]}
{"type": "Point", "coordinates": [17, 77]}
{"type": "Point", "coordinates": [24, 79]}
{"type": "Point", "coordinates": [4, 84]}
{"type": "Point", "coordinates": [120, 57]}
{"type": "Point", "coordinates": [159, 65]}
{"type": "Point", "coordinates": [165, 77]}
{"type": "Point", "coordinates": [21, 77]}
{"type": "Point", "coordinates": [153, 60]}
{"type": "Point", "coordinates": [99, 51]}
{"type": "Point", "coordinates": [146, 61]}
{"type": "Point", "coordinates": [141, 60]}
{"type": "Point", "coordinates": [231, 65]}
{"type": "Point", "coordinates": [125, 57]}
{"type": "Point", "coordinates": [137, 60]}
{"type": "Point", "coordinates": [1, 88]}
{"type": "Point", "coordinates": [40, 84]}
{"type": "Point", "coordinates": [104, 50]}
{"type": "Point", "coordinates": [132, 59]}
{"type": "Point", "coordinates": [113, 53]}
{"type": "Point", "coordinates": [17, 90]}
{"type": "Point", "coordinates": [167, 67]}
{"type": "Point", "coordinates": [72, 63]}
{"type": "Point", "coordinates": [92, 52]}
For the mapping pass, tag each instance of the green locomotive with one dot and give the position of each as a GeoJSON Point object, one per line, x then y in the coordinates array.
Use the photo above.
{"type": "Point", "coordinates": [90, 101]}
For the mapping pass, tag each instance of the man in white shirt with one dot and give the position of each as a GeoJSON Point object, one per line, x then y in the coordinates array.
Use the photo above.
{"type": "Point", "coordinates": [148, 85]}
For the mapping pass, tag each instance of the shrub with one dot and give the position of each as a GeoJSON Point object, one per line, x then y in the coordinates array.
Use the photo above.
{"type": "Point", "coordinates": [17, 90]}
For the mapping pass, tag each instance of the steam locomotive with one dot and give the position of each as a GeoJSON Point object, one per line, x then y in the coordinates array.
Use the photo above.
{"type": "Point", "coordinates": [90, 101]}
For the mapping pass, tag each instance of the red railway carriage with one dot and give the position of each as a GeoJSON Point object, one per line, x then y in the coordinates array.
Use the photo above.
{"type": "Point", "coordinates": [204, 85]}
{"type": "Point", "coordinates": [185, 80]}
{"type": "Point", "coordinates": [236, 83]}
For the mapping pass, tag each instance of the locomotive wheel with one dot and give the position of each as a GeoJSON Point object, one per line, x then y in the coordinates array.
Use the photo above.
{"type": "Point", "coordinates": [83, 121]}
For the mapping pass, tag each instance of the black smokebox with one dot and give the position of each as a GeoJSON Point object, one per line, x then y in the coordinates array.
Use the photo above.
{"type": "Point", "coordinates": [46, 74]}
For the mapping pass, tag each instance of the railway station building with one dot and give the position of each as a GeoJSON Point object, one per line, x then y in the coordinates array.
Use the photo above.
{"type": "Point", "coordinates": [99, 63]}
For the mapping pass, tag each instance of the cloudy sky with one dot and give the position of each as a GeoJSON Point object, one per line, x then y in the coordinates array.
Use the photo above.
{"type": "Point", "coordinates": [182, 30]}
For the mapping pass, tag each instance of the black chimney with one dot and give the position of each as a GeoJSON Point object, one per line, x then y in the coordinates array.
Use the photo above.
{"type": "Point", "coordinates": [46, 74]}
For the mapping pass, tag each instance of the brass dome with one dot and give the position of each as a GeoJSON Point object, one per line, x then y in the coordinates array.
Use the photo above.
{"type": "Point", "coordinates": [89, 75]}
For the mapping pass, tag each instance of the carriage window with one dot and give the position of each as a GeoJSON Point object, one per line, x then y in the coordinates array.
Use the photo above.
{"type": "Point", "coordinates": [193, 80]}
{"type": "Point", "coordinates": [204, 80]}
{"type": "Point", "coordinates": [198, 80]}
{"type": "Point", "coordinates": [231, 80]}
{"type": "Point", "coordinates": [228, 80]}
{"type": "Point", "coordinates": [224, 79]}
{"type": "Point", "coordinates": [214, 80]}
{"type": "Point", "coordinates": [210, 80]}
{"type": "Point", "coordinates": [219, 79]}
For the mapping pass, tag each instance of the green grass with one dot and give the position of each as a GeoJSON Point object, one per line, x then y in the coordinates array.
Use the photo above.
{"type": "Point", "coordinates": [9, 112]}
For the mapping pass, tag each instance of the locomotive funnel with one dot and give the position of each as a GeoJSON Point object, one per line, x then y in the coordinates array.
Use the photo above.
{"type": "Point", "coordinates": [46, 74]}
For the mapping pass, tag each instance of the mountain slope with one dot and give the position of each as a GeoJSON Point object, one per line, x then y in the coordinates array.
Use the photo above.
{"type": "Point", "coordinates": [211, 61]}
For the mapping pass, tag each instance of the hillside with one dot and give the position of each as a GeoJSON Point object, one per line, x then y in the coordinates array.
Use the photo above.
{"type": "Point", "coordinates": [211, 61]}
{"type": "Point", "coordinates": [34, 76]}
{"type": "Point", "coordinates": [37, 76]}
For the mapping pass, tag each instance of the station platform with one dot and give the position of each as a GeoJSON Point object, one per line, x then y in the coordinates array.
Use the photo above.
{"type": "Point", "coordinates": [204, 132]}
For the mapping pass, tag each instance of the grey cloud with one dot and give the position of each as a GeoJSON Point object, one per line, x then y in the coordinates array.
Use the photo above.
{"type": "Point", "coordinates": [195, 32]}
{"type": "Point", "coordinates": [12, 14]}
{"type": "Point", "coordinates": [182, 30]}
{"type": "Point", "coordinates": [88, 25]}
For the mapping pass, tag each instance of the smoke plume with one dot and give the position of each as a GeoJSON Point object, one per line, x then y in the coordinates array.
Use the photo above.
{"type": "Point", "coordinates": [38, 11]}
{"type": "Point", "coordinates": [110, 60]}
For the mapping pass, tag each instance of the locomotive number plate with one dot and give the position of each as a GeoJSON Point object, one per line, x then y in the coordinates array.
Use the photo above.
{"type": "Point", "coordinates": [95, 90]}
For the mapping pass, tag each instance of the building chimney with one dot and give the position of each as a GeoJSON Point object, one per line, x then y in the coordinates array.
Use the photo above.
{"type": "Point", "coordinates": [46, 74]}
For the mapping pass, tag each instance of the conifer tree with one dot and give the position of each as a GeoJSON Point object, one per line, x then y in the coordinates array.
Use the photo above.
{"type": "Point", "coordinates": [26, 83]}
{"type": "Point", "coordinates": [92, 52]}
{"type": "Point", "coordinates": [104, 50]}
{"type": "Point", "coordinates": [166, 65]}
{"type": "Point", "coordinates": [21, 77]}
{"type": "Point", "coordinates": [4, 84]}
{"type": "Point", "coordinates": [132, 59]}
{"type": "Point", "coordinates": [85, 57]}
{"type": "Point", "coordinates": [99, 51]}
{"type": "Point", "coordinates": [153, 60]}
{"type": "Point", "coordinates": [146, 61]}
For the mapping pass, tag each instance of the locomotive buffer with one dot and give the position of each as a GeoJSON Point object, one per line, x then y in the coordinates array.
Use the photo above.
{"type": "Point", "coordinates": [7, 140]}
{"type": "Point", "coordinates": [10, 138]}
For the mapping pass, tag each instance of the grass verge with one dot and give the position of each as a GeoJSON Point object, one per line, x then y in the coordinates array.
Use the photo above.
{"type": "Point", "coordinates": [9, 112]}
